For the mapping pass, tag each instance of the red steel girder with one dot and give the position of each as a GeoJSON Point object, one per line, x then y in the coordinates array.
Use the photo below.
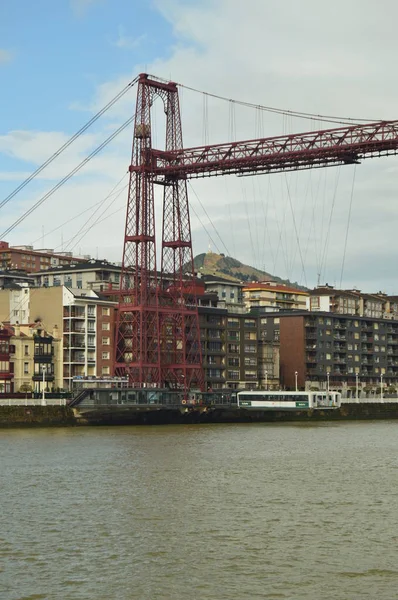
{"type": "Point", "coordinates": [343, 145]}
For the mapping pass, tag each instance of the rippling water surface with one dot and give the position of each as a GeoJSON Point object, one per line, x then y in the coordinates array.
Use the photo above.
{"type": "Point", "coordinates": [209, 512]}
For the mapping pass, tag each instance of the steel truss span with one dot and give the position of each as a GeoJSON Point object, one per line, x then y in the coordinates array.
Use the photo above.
{"type": "Point", "coordinates": [330, 147]}
{"type": "Point", "coordinates": [158, 336]}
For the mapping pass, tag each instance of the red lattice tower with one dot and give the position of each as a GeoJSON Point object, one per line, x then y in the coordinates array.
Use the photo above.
{"type": "Point", "coordinates": [158, 335]}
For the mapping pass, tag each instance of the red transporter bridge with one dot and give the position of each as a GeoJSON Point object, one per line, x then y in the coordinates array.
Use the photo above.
{"type": "Point", "coordinates": [158, 335]}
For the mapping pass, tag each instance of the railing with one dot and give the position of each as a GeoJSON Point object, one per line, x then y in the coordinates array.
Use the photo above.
{"type": "Point", "coordinates": [32, 402]}
{"type": "Point", "coordinates": [375, 400]}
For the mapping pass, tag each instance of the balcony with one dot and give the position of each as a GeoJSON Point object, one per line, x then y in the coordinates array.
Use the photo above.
{"type": "Point", "coordinates": [339, 359]}
{"type": "Point", "coordinates": [311, 335]}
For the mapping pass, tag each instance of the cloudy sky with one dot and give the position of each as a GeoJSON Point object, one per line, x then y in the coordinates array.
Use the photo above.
{"type": "Point", "coordinates": [62, 61]}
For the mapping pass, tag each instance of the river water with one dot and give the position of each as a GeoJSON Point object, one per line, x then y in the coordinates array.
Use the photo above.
{"type": "Point", "coordinates": [207, 512]}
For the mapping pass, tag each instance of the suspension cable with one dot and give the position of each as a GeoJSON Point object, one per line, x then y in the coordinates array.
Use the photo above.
{"type": "Point", "coordinates": [69, 142]}
{"type": "Point", "coordinates": [280, 111]}
{"type": "Point", "coordinates": [67, 177]}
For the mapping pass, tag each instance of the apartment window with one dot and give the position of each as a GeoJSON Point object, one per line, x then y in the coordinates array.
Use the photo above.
{"type": "Point", "coordinates": [26, 350]}
{"type": "Point", "coordinates": [375, 326]}
{"type": "Point", "coordinates": [105, 355]}
{"type": "Point", "coordinates": [105, 341]}
{"type": "Point", "coordinates": [233, 348]}
{"type": "Point", "coordinates": [276, 335]}
{"type": "Point", "coordinates": [26, 368]}
{"type": "Point", "coordinates": [105, 371]}
{"type": "Point", "coordinates": [106, 326]}
{"type": "Point", "coordinates": [4, 366]}
{"type": "Point", "coordinates": [234, 335]}
{"type": "Point", "coordinates": [250, 335]}
{"type": "Point", "coordinates": [250, 348]}
{"type": "Point", "coordinates": [276, 321]}
{"type": "Point", "coordinates": [328, 357]}
{"type": "Point", "coordinates": [263, 321]}
{"type": "Point", "coordinates": [233, 322]}
{"type": "Point", "coordinates": [233, 362]}
{"type": "Point", "coordinates": [233, 375]}
{"type": "Point", "coordinates": [250, 323]}
{"type": "Point", "coordinates": [57, 280]}
{"type": "Point", "coordinates": [215, 346]}
{"type": "Point", "coordinates": [250, 362]}
{"type": "Point", "coordinates": [250, 375]}
{"type": "Point", "coordinates": [215, 373]}
{"type": "Point", "coordinates": [356, 335]}
{"type": "Point", "coordinates": [106, 311]}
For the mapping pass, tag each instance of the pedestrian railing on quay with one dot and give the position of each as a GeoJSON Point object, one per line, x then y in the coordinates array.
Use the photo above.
{"type": "Point", "coordinates": [375, 400]}
{"type": "Point", "coordinates": [32, 402]}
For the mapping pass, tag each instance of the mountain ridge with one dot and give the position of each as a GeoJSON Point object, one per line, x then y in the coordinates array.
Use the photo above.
{"type": "Point", "coordinates": [227, 267]}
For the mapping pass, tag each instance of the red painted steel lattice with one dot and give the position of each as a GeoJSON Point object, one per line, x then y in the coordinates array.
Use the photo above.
{"type": "Point", "coordinates": [158, 336]}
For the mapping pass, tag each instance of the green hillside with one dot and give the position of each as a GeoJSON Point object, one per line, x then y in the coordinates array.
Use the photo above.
{"type": "Point", "coordinates": [230, 268]}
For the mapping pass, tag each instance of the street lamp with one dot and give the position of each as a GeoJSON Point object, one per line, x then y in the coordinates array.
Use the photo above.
{"type": "Point", "coordinates": [43, 397]}
{"type": "Point", "coordinates": [381, 387]}
{"type": "Point", "coordinates": [357, 386]}
{"type": "Point", "coordinates": [327, 377]}
{"type": "Point", "coordinates": [295, 377]}
{"type": "Point", "coordinates": [266, 380]}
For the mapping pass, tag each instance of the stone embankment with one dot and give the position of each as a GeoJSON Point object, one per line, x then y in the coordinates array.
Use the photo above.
{"type": "Point", "coordinates": [36, 416]}
{"type": "Point", "coordinates": [63, 416]}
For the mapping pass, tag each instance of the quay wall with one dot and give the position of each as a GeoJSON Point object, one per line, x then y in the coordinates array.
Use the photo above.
{"type": "Point", "coordinates": [36, 416]}
{"type": "Point", "coordinates": [63, 416]}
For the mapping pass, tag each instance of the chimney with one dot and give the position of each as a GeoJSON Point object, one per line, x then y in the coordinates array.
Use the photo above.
{"type": "Point", "coordinates": [17, 330]}
{"type": "Point", "coordinates": [55, 332]}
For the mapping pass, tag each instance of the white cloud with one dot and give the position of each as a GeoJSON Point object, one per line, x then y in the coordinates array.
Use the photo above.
{"type": "Point", "coordinates": [5, 56]}
{"type": "Point", "coordinates": [308, 56]}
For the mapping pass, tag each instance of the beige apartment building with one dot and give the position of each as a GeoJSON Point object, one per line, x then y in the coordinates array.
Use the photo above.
{"type": "Point", "coordinates": [35, 358]}
{"type": "Point", "coordinates": [352, 302]}
{"type": "Point", "coordinates": [270, 296]}
{"type": "Point", "coordinates": [85, 322]}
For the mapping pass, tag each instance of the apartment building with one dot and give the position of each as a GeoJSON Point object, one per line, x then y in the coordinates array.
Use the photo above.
{"type": "Point", "coordinates": [14, 304]}
{"type": "Point", "coordinates": [10, 277]}
{"type": "Point", "coordinates": [97, 275]}
{"type": "Point", "coordinates": [31, 261]}
{"type": "Point", "coordinates": [270, 296]}
{"type": "Point", "coordinates": [328, 349]}
{"type": "Point", "coordinates": [229, 292]}
{"type": "Point", "coordinates": [36, 360]}
{"type": "Point", "coordinates": [85, 322]}
{"type": "Point", "coordinates": [6, 375]}
{"type": "Point", "coordinates": [352, 302]}
{"type": "Point", "coordinates": [233, 354]}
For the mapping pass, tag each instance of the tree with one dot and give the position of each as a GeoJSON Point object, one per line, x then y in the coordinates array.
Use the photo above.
{"type": "Point", "coordinates": [25, 389]}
